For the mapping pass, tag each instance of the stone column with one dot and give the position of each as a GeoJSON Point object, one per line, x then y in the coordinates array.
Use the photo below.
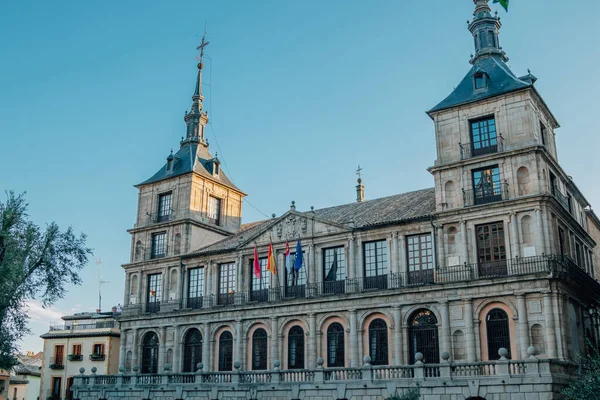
{"type": "Point", "coordinates": [465, 242]}
{"type": "Point", "coordinates": [539, 233]}
{"type": "Point", "coordinates": [139, 295]}
{"type": "Point", "coordinates": [312, 341]}
{"type": "Point", "coordinates": [123, 347]}
{"type": "Point", "coordinates": [470, 331]}
{"type": "Point", "coordinates": [557, 324]}
{"type": "Point", "coordinates": [281, 269]}
{"type": "Point", "coordinates": [162, 349]}
{"type": "Point", "coordinates": [354, 361]}
{"type": "Point", "coordinates": [176, 367]}
{"type": "Point", "coordinates": [238, 274]}
{"type": "Point", "coordinates": [397, 335]}
{"type": "Point", "coordinates": [546, 231]}
{"type": "Point", "coordinates": [127, 289]}
{"type": "Point", "coordinates": [514, 236]}
{"type": "Point", "coordinates": [206, 349]}
{"type": "Point", "coordinates": [405, 349]}
{"type": "Point", "coordinates": [274, 342]}
{"type": "Point", "coordinates": [135, 350]}
{"type": "Point", "coordinates": [394, 254]}
{"type": "Point", "coordinates": [446, 344]}
{"type": "Point", "coordinates": [402, 263]}
{"type": "Point", "coordinates": [359, 267]}
{"type": "Point", "coordinates": [237, 356]}
{"type": "Point", "coordinates": [165, 288]}
{"type": "Point", "coordinates": [441, 258]}
{"type": "Point", "coordinates": [351, 259]}
{"type": "Point", "coordinates": [550, 328]}
{"type": "Point", "coordinates": [523, 330]}
{"type": "Point", "coordinates": [312, 272]}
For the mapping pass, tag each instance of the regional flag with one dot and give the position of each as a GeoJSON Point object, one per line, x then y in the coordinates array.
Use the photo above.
{"type": "Point", "coordinates": [271, 266]}
{"type": "Point", "coordinates": [298, 261]}
{"type": "Point", "coordinates": [503, 3]}
{"type": "Point", "coordinates": [256, 263]}
{"type": "Point", "coordinates": [288, 258]}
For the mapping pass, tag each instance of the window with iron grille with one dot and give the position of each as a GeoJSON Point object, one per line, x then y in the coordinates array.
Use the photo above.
{"type": "Point", "coordinates": [487, 187]}
{"type": "Point", "coordinates": [498, 333]}
{"type": "Point", "coordinates": [259, 291]}
{"type": "Point", "coordinates": [154, 292]}
{"type": "Point", "coordinates": [420, 258]}
{"type": "Point", "coordinates": [226, 283]}
{"type": "Point", "coordinates": [296, 348]}
{"type": "Point", "coordinates": [334, 270]}
{"type": "Point", "coordinates": [192, 350]}
{"type": "Point", "coordinates": [226, 351]}
{"type": "Point", "coordinates": [195, 287]}
{"type": "Point", "coordinates": [164, 206]}
{"type": "Point", "coordinates": [491, 250]}
{"type": "Point", "coordinates": [423, 336]}
{"type": "Point", "coordinates": [378, 342]}
{"type": "Point", "coordinates": [483, 136]}
{"type": "Point", "coordinates": [259, 349]}
{"type": "Point", "coordinates": [376, 264]}
{"type": "Point", "coordinates": [214, 210]}
{"type": "Point", "coordinates": [335, 345]}
{"type": "Point", "coordinates": [150, 353]}
{"type": "Point", "coordinates": [159, 244]}
{"type": "Point", "coordinates": [295, 280]}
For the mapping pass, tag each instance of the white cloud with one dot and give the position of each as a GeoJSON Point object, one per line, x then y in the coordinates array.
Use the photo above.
{"type": "Point", "coordinates": [48, 316]}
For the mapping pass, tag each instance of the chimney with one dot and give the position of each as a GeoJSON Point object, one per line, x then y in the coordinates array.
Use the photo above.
{"type": "Point", "coordinates": [360, 191]}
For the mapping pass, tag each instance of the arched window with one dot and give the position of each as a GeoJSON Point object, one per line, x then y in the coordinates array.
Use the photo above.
{"type": "Point", "coordinates": [450, 194]}
{"type": "Point", "coordinates": [192, 349]}
{"type": "Point", "coordinates": [538, 340]}
{"type": "Point", "coordinates": [335, 345]}
{"type": "Point", "coordinates": [138, 251]}
{"type": "Point", "coordinates": [423, 336]}
{"type": "Point", "coordinates": [177, 244]}
{"type": "Point", "coordinates": [527, 233]}
{"type": "Point", "coordinates": [458, 345]}
{"type": "Point", "coordinates": [133, 285]}
{"type": "Point", "coordinates": [378, 342]}
{"type": "Point", "coordinates": [296, 348]}
{"type": "Point", "coordinates": [498, 333]}
{"type": "Point", "coordinates": [259, 349]}
{"type": "Point", "coordinates": [150, 353]}
{"type": "Point", "coordinates": [523, 181]}
{"type": "Point", "coordinates": [452, 231]}
{"type": "Point", "coordinates": [225, 351]}
{"type": "Point", "coordinates": [173, 284]}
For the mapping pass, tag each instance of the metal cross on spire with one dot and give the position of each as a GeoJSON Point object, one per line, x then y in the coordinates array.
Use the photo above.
{"type": "Point", "coordinates": [358, 171]}
{"type": "Point", "coordinates": [202, 46]}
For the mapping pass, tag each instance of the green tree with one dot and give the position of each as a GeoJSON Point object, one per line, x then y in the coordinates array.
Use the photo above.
{"type": "Point", "coordinates": [413, 393]}
{"type": "Point", "coordinates": [35, 263]}
{"type": "Point", "coordinates": [588, 385]}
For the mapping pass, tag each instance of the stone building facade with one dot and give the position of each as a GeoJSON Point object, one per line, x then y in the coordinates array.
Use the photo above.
{"type": "Point", "coordinates": [493, 267]}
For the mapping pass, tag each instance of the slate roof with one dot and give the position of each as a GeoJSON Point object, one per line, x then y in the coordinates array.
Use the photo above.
{"type": "Point", "coordinates": [400, 207]}
{"type": "Point", "coordinates": [501, 80]}
{"type": "Point", "coordinates": [23, 369]}
{"type": "Point", "coordinates": [191, 157]}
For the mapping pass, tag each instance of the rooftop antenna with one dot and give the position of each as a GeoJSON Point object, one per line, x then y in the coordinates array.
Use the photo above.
{"type": "Point", "coordinates": [100, 282]}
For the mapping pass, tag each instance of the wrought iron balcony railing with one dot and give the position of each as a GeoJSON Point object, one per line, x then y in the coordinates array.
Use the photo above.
{"type": "Point", "coordinates": [476, 198]}
{"type": "Point", "coordinates": [490, 146]}
{"type": "Point", "coordinates": [80, 327]}
{"type": "Point", "coordinates": [57, 363]}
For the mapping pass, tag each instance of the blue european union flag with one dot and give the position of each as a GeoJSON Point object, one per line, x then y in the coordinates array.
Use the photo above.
{"type": "Point", "coordinates": [298, 262]}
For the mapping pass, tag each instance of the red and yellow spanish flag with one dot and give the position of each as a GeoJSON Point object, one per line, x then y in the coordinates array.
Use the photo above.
{"type": "Point", "coordinates": [271, 266]}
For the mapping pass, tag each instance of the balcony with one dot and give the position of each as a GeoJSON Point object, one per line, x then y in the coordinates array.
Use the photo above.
{"type": "Point", "coordinates": [475, 198]}
{"type": "Point", "coordinates": [491, 146]}
{"type": "Point", "coordinates": [195, 303]}
{"type": "Point", "coordinates": [57, 363]}
{"type": "Point", "coordinates": [75, 357]}
{"type": "Point", "coordinates": [97, 357]}
{"type": "Point", "coordinates": [97, 325]}
{"type": "Point", "coordinates": [563, 200]}
{"type": "Point", "coordinates": [153, 307]}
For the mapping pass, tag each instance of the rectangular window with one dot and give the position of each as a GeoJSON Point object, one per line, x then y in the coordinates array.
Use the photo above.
{"type": "Point", "coordinates": [98, 349]}
{"type": "Point", "coordinates": [491, 39]}
{"type": "Point", "coordinates": [164, 206]}
{"type": "Point", "coordinates": [195, 288]}
{"type": "Point", "coordinates": [226, 284]}
{"type": "Point", "coordinates": [553, 188]}
{"type": "Point", "coordinates": [376, 265]}
{"type": "Point", "coordinates": [56, 383]}
{"type": "Point", "coordinates": [543, 133]}
{"type": "Point", "coordinates": [334, 270]}
{"type": "Point", "coordinates": [259, 290]}
{"type": "Point", "coordinates": [59, 352]}
{"type": "Point", "coordinates": [77, 349]}
{"type": "Point", "coordinates": [561, 241]}
{"type": "Point", "coordinates": [159, 244]}
{"type": "Point", "coordinates": [483, 136]}
{"type": "Point", "coordinates": [154, 293]}
{"type": "Point", "coordinates": [420, 259]}
{"type": "Point", "coordinates": [491, 250]}
{"type": "Point", "coordinates": [295, 281]}
{"type": "Point", "coordinates": [479, 81]}
{"type": "Point", "coordinates": [487, 187]}
{"type": "Point", "coordinates": [214, 210]}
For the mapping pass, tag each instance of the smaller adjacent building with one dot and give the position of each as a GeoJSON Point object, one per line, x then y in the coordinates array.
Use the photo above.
{"type": "Point", "coordinates": [88, 340]}
{"type": "Point", "coordinates": [25, 377]}
{"type": "Point", "coordinates": [4, 377]}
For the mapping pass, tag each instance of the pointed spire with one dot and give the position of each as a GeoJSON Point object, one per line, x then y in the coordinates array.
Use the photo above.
{"type": "Point", "coordinates": [196, 119]}
{"type": "Point", "coordinates": [485, 29]}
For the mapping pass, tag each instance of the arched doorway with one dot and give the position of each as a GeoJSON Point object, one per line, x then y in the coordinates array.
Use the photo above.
{"type": "Point", "coordinates": [378, 342]}
{"type": "Point", "coordinates": [498, 332]}
{"type": "Point", "coordinates": [259, 349]}
{"type": "Point", "coordinates": [150, 353]}
{"type": "Point", "coordinates": [335, 345]}
{"type": "Point", "coordinates": [225, 351]}
{"type": "Point", "coordinates": [192, 350]}
{"type": "Point", "coordinates": [423, 336]}
{"type": "Point", "coordinates": [296, 348]}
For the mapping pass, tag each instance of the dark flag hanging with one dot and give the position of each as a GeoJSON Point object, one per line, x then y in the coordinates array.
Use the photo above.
{"type": "Point", "coordinates": [331, 275]}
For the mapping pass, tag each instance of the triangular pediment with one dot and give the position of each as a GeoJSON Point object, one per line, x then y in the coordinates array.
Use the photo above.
{"type": "Point", "coordinates": [293, 226]}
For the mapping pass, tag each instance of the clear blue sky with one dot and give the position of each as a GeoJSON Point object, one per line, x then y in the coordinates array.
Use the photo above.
{"type": "Point", "coordinates": [92, 97]}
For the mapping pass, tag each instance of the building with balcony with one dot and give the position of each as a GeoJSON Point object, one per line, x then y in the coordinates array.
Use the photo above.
{"type": "Point", "coordinates": [482, 287]}
{"type": "Point", "coordinates": [84, 340]}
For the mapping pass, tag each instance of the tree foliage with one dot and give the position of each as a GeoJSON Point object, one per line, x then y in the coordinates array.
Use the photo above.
{"type": "Point", "coordinates": [35, 263]}
{"type": "Point", "coordinates": [413, 393]}
{"type": "Point", "coordinates": [587, 387]}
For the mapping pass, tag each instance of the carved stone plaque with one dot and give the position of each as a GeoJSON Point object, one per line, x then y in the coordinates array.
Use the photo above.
{"type": "Point", "coordinates": [456, 312]}
{"type": "Point", "coordinates": [535, 307]}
